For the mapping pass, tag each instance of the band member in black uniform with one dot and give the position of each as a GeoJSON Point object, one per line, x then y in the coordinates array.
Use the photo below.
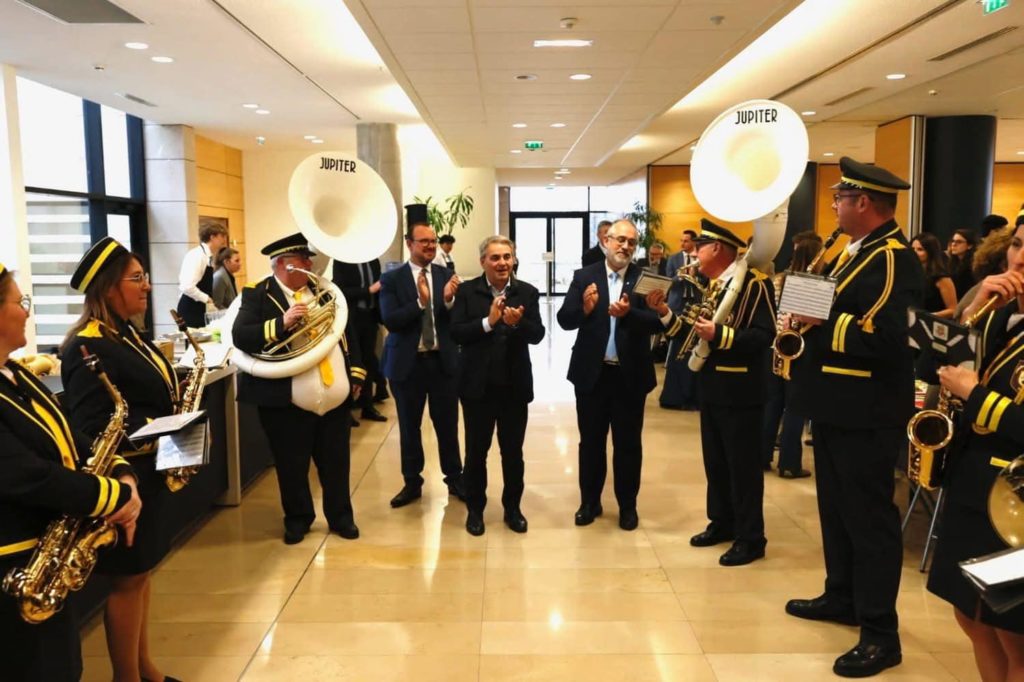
{"type": "Point", "coordinates": [612, 370]}
{"type": "Point", "coordinates": [990, 432]}
{"type": "Point", "coordinates": [40, 458]}
{"type": "Point", "coordinates": [360, 282]}
{"type": "Point", "coordinates": [195, 280]}
{"type": "Point", "coordinates": [420, 359]}
{"type": "Point", "coordinates": [679, 387]}
{"type": "Point", "coordinates": [445, 243]}
{"type": "Point", "coordinates": [494, 320]}
{"type": "Point", "coordinates": [306, 415]}
{"type": "Point", "coordinates": [732, 398]}
{"type": "Point", "coordinates": [855, 381]}
{"type": "Point", "coordinates": [116, 291]}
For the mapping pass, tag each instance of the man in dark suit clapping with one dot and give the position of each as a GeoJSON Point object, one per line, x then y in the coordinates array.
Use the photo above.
{"type": "Point", "coordinates": [420, 359]}
{"type": "Point", "coordinates": [494, 320]}
{"type": "Point", "coordinates": [612, 370]}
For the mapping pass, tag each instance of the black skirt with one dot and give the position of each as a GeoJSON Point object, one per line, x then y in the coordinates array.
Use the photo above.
{"type": "Point", "coordinates": [151, 543]}
{"type": "Point", "coordinates": [966, 533]}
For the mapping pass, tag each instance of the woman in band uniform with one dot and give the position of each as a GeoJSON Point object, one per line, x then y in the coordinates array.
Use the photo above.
{"type": "Point", "coordinates": [116, 289]}
{"type": "Point", "coordinates": [991, 429]}
{"type": "Point", "coordinates": [41, 480]}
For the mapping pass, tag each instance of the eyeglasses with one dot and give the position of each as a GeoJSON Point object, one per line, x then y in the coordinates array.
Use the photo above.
{"type": "Point", "coordinates": [425, 242]}
{"type": "Point", "coordinates": [957, 241]}
{"type": "Point", "coordinates": [26, 303]}
{"type": "Point", "coordinates": [839, 196]}
{"type": "Point", "coordinates": [139, 278]}
{"type": "Point", "coordinates": [624, 240]}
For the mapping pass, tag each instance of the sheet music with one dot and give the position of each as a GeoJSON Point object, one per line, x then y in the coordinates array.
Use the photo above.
{"type": "Point", "coordinates": [188, 447]}
{"type": "Point", "coordinates": [649, 282]}
{"type": "Point", "coordinates": [808, 295]}
{"type": "Point", "coordinates": [996, 569]}
{"type": "Point", "coordinates": [168, 424]}
{"type": "Point", "coordinates": [216, 355]}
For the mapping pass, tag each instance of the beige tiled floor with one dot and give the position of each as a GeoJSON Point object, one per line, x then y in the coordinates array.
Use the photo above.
{"type": "Point", "coordinates": [417, 598]}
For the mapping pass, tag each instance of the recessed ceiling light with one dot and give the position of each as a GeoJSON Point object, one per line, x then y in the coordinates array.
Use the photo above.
{"type": "Point", "coordinates": [137, 46]}
{"type": "Point", "coordinates": [518, 125]}
{"type": "Point", "coordinates": [251, 106]}
{"type": "Point", "coordinates": [563, 43]}
{"type": "Point", "coordinates": [829, 154]}
{"type": "Point", "coordinates": [557, 125]}
{"type": "Point", "coordinates": [580, 77]}
{"type": "Point", "coordinates": [515, 151]}
{"type": "Point", "coordinates": [260, 139]}
{"type": "Point", "coordinates": [317, 141]}
{"type": "Point", "coordinates": [262, 112]}
{"type": "Point", "coordinates": [896, 76]}
{"type": "Point", "coordinates": [563, 170]}
{"type": "Point", "coordinates": [309, 137]}
{"type": "Point", "coordinates": [1021, 152]}
{"type": "Point", "coordinates": [163, 60]}
{"type": "Point", "coordinates": [693, 147]}
{"type": "Point", "coordinates": [526, 77]}
{"type": "Point", "coordinates": [808, 113]}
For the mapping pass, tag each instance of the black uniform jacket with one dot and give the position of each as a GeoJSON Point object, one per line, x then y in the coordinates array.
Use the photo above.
{"type": "Point", "coordinates": [39, 466]}
{"type": "Point", "coordinates": [481, 351]}
{"type": "Point", "coordinates": [734, 373]}
{"type": "Point", "coordinates": [990, 431]}
{"type": "Point", "coordinates": [401, 313]}
{"type": "Point", "coordinates": [632, 332]}
{"type": "Point", "coordinates": [857, 370]}
{"type": "Point", "coordinates": [347, 278]}
{"type": "Point", "coordinates": [144, 377]}
{"type": "Point", "coordinates": [259, 325]}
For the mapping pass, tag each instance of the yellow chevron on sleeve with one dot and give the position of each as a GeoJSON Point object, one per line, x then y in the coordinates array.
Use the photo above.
{"type": "Point", "coordinates": [115, 494]}
{"type": "Point", "coordinates": [725, 343]}
{"type": "Point", "coordinates": [103, 498]}
{"type": "Point", "coordinates": [997, 412]}
{"type": "Point", "coordinates": [839, 332]}
{"type": "Point", "coordinates": [674, 328]}
{"type": "Point", "coordinates": [986, 407]}
{"type": "Point", "coordinates": [358, 372]}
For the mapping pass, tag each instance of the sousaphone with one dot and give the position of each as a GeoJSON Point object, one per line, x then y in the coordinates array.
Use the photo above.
{"type": "Point", "coordinates": [746, 165]}
{"type": "Point", "coordinates": [347, 212]}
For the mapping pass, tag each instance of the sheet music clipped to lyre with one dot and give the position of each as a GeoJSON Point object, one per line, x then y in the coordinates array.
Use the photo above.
{"type": "Point", "coordinates": [808, 295]}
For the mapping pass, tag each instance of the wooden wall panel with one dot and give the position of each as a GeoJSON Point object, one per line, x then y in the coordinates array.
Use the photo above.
{"type": "Point", "coordinates": [219, 190]}
{"type": "Point", "coordinates": [1008, 190]}
{"type": "Point", "coordinates": [894, 145]}
{"type": "Point", "coordinates": [670, 194]}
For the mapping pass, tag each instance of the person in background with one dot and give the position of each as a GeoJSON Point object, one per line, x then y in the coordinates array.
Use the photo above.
{"type": "Point", "coordinates": [41, 460]}
{"type": "Point", "coordinates": [961, 255]}
{"type": "Point", "coordinates": [195, 279]}
{"type": "Point", "coordinates": [360, 284]}
{"type": "Point", "coordinates": [679, 389]}
{"type": "Point", "coordinates": [655, 261]}
{"type": "Point", "coordinates": [225, 289]}
{"type": "Point", "coordinates": [991, 223]}
{"type": "Point", "coordinates": [444, 253]}
{"type": "Point", "coordinates": [595, 254]}
{"type": "Point", "coordinates": [939, 291]}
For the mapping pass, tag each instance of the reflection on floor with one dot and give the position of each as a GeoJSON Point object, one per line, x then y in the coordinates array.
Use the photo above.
{"type": "Point", "coordinates": [418, 598]}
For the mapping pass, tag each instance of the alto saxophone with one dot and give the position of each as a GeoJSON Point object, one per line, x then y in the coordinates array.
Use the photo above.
{"type": "Point", "coordinates": [177, 478]}
{"type": "Point", "coordinates": [66, 554]}
{"type": "Point", "coordinates": [788, 344]}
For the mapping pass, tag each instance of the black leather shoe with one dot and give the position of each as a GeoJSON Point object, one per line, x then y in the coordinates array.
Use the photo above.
{"type": "Point", "coordinates": [794, 473]}
{"type": "Point", "coordinates": [515, 521]}
{"type": "Point", "coordinates": [406, 495]}
{"type": "Point", "coordinates": [628, 519]}
{"type": "Point", "coordinates": [353, 422]}
{"type": "Point", "coordinates": [865, 660]}
{"type": "Point", "coordinates": [710, 536]}
{"type": "Point", "coordinates": [586, 514]}
{"type": "Point", "coordinates": [821, 608]}
{"type": "Point", "coordinates": [293, 536]}
{"type": "Point", "coordinates": [742, 553]}
{"type": "Point", "coordinates": [457, 489]}
{"type": "Point", "coordinates": [475, 523]}
{"type": "Point", "coordinates": [372, 414]}
{"type": "Point", "coordinates": [346, 529]}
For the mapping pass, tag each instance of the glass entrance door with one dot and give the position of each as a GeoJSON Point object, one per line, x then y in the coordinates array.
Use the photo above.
{"type": "Point", "coordinates": [549, 247]}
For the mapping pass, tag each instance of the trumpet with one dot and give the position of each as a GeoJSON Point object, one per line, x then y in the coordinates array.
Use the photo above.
{"type": "Point", "coordinates": [788, 344]}
{"type": "Point", "coordinates": [704, 310]}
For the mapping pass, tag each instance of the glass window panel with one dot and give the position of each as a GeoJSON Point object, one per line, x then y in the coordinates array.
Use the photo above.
{"type": "Point", "coordinates": [119, 227]}
{"type": "Point", "coordinates": [523, 199]}
{"type": "Point", "coordinates": [568, 251]}
{"type": "Point", "coordinates": [115, 152]}
{"type": "Point", "coordinates": [52, 137]}
{"type": "Point", "coordinates": [531, 245]}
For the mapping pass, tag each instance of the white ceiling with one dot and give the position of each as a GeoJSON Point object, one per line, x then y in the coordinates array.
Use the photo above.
{"type": "Point", "coordinates": [314, 64]}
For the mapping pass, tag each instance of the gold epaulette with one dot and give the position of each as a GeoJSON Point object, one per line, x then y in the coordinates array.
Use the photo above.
{"type": "Point", "coordinates": [92, 330]}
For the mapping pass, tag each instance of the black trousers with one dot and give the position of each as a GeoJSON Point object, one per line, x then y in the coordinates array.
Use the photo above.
{"type": "Point", "coordinates": [730, 439]}
{"type": "Point", "coordinates": [680, 386]}
{"type": "Point", "coordinates": [860, 524]}
{"type": "Point", "coordinates": [295, 435]}
{"type": "Point", "coordinates": [480, 415]}
{"type": "Point", "coordinates": [367, 329]}
{"type": "Point", "coordinates": [50, 650]}
{"type": "Point", "coordinates": [613, 403]}
{"type": "Point", "coordinates": [428, 384]}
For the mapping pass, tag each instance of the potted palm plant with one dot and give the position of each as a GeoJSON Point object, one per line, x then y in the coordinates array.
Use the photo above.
{"type": "Point", "coordinates": [454, 211]}
{"type": "Point", "coordinates": [647, 223]}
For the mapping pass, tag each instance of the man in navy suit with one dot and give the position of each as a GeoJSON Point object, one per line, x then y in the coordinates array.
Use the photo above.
{"type": "Point", "coordinates": [420, 359]}
{"type": "Point", "coordinates": [612, 370]}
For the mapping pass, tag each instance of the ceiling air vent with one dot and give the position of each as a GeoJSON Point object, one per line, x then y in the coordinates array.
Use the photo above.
{"type": "Point", "coordinates": [973, 44]}
{"type": "Point", "coordinates": [82, 11]}
{"type": "Point", "coordinates": [849, 95]}
{"type": "Point", "coordinates": [132, 98]}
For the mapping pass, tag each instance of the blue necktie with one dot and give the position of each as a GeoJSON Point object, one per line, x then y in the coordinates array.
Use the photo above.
{"type": "Point", "coordinates": [610, 353]}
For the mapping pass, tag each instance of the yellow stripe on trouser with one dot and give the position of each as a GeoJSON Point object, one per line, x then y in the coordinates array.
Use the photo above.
{"type": "Point", "coordinates": [326, 371]}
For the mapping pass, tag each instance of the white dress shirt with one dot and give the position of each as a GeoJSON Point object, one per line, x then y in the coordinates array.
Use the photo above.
{"type": "Point", "coordinates": [430, 282]}
{"type": "Point", "coordinates": [495, 293]}
{"type": "Point", "coordinates": [193, 265]}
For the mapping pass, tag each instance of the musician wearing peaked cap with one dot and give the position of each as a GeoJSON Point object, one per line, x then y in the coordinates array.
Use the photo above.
{"type": "Point", "coordinates": [116, 289]}
{"type": "Point", "coordinates": [41, 460]}
{"type": "Point", "coordinates": [732, 394]}
{"type": "Point", "coordinates": [306, 415]}
{"type": "Point", "coordinates": [855, 381]}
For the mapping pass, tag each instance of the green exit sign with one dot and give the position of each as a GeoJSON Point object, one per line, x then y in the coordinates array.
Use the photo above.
{"type": "Point", "coordinates": [990, 6]}
{"type": "Point", "coordinates": [533, 145]}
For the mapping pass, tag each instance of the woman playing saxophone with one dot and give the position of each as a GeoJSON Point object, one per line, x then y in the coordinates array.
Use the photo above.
{"type": "Point", "coordinates": [41, 460]}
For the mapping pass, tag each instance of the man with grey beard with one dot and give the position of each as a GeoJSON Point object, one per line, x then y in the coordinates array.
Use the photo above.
{"type": "Point", "coordinates": [612, 370]}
